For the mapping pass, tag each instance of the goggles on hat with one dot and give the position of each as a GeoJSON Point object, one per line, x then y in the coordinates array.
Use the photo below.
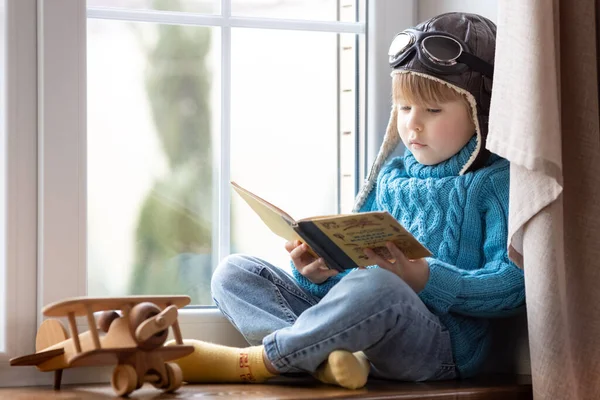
{"type": "Point", "coordinates": [437, 51]}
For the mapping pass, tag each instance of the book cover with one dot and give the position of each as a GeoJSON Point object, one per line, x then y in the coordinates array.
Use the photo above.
{"type": "Point", "coordinates": [338, 239]}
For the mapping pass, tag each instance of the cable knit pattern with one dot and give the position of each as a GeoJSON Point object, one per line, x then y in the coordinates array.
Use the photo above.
{"type": "Point", "coordinates": [462, 219]}
{"type": "Point", "coordinates": [458, 200]}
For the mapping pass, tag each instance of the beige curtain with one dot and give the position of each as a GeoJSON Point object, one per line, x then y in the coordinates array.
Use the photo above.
{"type": "Point", "coordinates": [544, 119]}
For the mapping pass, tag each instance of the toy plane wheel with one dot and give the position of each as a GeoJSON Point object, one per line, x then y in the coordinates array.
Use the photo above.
{"type": "Point", "coordinates": [174, 378]}
{"type": "Point", "coordinates": [124, 380]}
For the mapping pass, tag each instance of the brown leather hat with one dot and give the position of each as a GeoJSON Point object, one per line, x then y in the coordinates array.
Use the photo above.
{"type": "Point", "coordinates": [479, 35]}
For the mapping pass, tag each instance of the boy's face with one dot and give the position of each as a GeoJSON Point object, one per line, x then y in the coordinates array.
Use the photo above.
{"type": "Point", "coordinates": [436, 132]}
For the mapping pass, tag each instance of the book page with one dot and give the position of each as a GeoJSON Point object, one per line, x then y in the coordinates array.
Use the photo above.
{"type": "Point", "coordinates": [355, 232]}
{"type": "Point", "coordinates": [324, 217]}
{"type": "Point", "coordinates": [276, 219]}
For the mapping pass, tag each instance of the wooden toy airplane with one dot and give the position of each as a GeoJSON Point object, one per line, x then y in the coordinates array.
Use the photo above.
{"type": "Point", "coordinates": [133, 340]}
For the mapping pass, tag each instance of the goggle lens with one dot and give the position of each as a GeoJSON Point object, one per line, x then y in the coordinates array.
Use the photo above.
{"type": "Point", "coordinates": [400, 43]}
{"type": "Point", "coordinates": [442, 48]}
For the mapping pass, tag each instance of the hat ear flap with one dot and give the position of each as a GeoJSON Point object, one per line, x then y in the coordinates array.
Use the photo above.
{"type": "Point", "coordinates": [392, 136]}
{"type": "Point", "coordinates": [390, 142]}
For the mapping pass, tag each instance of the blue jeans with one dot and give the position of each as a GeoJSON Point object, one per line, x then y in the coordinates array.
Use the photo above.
{"type": "Point", "coordinates": [370, 310]}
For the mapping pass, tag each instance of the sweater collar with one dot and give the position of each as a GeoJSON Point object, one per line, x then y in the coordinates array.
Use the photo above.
{"type": "Point", "coordinates": [450, 167]}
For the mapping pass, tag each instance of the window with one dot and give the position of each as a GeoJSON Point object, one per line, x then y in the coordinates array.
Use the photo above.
{"type": "Point", "coordinates": [52, 161]}
{"type": "Point", "coordinates": [184, 96]}
{"type": "Point", "coordinates": [110, 153]}
{"type": "Point", "coordinates": [150, 88]}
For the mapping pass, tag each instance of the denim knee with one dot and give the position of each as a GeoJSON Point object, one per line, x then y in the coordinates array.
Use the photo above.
{"type": "Point", "coordinates": [376, 284]}
{"type": "Point", "coordinates": [227, 272]}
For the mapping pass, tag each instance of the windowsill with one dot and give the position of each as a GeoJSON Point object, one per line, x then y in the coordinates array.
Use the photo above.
{"type": "Point", "coordinates": [204, 314]}
{"type": "Point", "coordinates": [496, 386]}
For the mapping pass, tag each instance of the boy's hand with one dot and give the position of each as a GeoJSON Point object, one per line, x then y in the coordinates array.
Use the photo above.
{"type": "Point", "coordinates": [414, 272]}
{"type": "Point", "coordinates": [312, 268]}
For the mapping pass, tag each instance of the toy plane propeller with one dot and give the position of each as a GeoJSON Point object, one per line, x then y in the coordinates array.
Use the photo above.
{"type": "Point", "coordinates": [133, 340]}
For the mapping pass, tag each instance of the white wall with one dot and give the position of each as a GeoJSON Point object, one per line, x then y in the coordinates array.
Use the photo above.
{"type": "Point", "coordinates": [430, 8]}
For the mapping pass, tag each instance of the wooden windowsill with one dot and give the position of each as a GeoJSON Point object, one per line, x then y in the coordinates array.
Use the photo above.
{"type": "Point", "coordinates": [503, 387]}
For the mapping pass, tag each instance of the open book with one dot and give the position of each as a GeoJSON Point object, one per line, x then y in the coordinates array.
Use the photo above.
{"type": "Point", "coordinates": [339, 239]}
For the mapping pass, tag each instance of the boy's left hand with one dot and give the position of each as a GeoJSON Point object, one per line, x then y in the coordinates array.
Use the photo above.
{"type": "Point", "coordinates": [414, 272]}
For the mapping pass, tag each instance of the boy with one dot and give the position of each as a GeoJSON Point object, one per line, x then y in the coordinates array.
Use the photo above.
{"type": "Point", "coordinates": [411, 320]}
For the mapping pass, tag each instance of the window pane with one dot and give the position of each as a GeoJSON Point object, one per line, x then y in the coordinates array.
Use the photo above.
{"type": "Point", "coordinates": [284, 130]}
{"type": "Point", "coordinates": [194, 6]}
{"type": "Point", "coordinates": [3, 182]}
{"type": "Point", "coordinates": [322, 10]}
{"type": "Point", "coordinates": [151, 116]}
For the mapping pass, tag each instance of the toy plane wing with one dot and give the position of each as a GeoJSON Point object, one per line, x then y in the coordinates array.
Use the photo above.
{"type": "Point", "coordinates": [37, 358]}
{"type": "Point", "coordinates": [81, 306]}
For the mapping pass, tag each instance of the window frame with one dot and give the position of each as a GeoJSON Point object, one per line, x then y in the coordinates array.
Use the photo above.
{"type": "Point", "coordinates": [63, 146]}
{"type": "Point", "coordinates": [20, 189]}
{"type": "Point", "coordinates": [49, 181]}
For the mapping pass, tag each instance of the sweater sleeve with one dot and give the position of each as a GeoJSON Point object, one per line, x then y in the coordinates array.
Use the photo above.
{"type": "Point", "coordinates": [317, 289]}
{"type": "Point", "coordinates": [495, 289]}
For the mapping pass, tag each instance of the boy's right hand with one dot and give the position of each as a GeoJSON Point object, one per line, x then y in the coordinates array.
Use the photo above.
{"type": "Point", "coordinates": [312, 268]}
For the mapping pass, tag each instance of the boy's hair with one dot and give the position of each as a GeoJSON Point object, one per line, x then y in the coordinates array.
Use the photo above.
{"type": "Point", "coordinates": [422, 91]}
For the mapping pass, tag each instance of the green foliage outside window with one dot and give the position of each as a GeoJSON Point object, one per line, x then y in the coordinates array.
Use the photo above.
{"type": "Point", "coordinates": [173, 235]}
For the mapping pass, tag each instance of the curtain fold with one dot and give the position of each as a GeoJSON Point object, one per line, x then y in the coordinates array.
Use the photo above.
{"type": "Point", "coordinates": [544, 119]}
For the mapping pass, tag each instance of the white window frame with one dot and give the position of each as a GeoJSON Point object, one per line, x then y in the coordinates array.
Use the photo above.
{"type": "Point", "coordinates": [20, 128]}
{"type": "Point", "coordinates": [61, 152]}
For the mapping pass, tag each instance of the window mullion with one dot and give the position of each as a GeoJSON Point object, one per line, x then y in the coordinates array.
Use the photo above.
{"type": "Point", "coordinates": [182, 18]}
{"type": "Point", "coordinates": [223, 205]}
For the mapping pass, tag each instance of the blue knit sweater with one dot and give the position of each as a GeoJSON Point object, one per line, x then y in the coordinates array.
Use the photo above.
{"type": "Point", "coordinates": [462, 220]}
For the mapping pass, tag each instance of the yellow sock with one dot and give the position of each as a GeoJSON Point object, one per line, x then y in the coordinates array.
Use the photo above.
{"type": "Point", "coordinates": [348, 370]}
{"type": "Point", "coordinates": [213, 363]}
